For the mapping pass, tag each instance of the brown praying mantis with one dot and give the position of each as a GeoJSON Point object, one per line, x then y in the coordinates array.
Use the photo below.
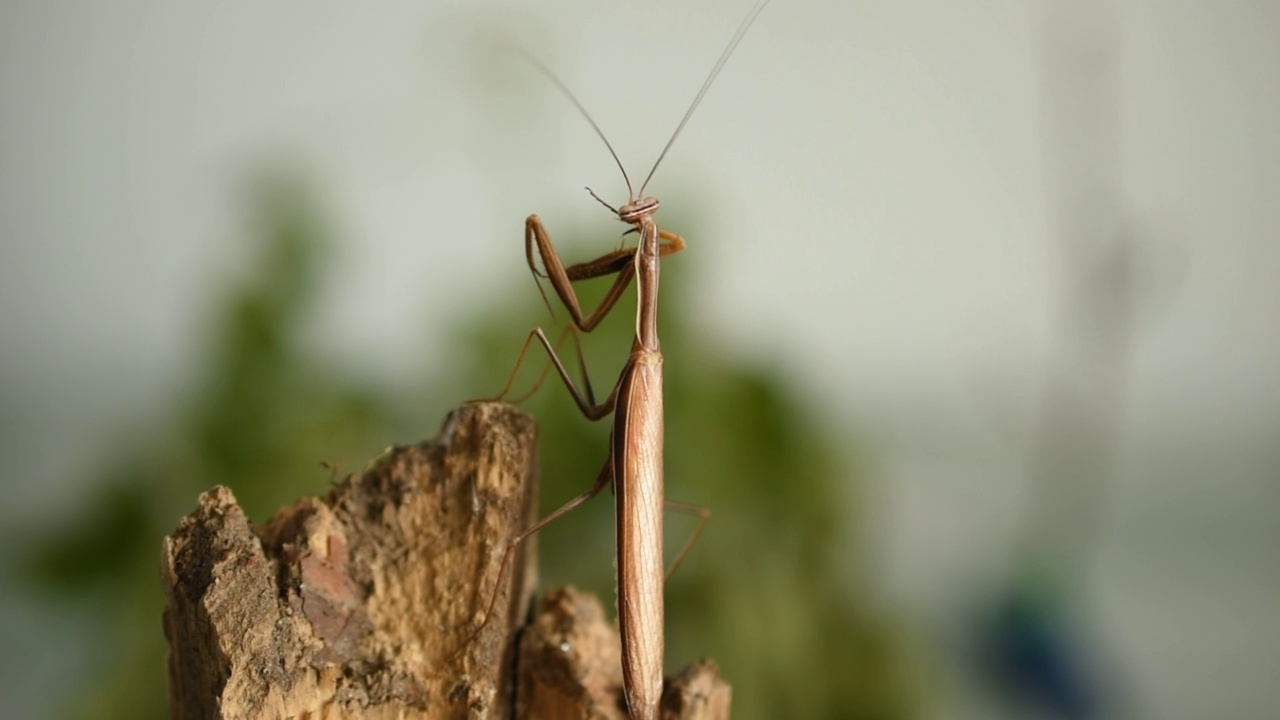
{"type": "Point", "coordinates": [634, 463]}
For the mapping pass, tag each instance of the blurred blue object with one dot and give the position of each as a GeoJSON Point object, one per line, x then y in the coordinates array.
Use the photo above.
{"type": "Point", "coordinates": [1036, 652]}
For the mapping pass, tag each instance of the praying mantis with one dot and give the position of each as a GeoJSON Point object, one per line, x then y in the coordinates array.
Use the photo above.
{"type": "Point", "coordinates": [634, 463]}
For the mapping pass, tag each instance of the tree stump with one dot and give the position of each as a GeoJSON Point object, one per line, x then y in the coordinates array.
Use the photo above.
{"type": "Point", "coordinates": [365, 603]}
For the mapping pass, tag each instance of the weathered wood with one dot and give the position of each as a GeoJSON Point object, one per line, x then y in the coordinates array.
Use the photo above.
{"type": "Point", "coordinates": [353, 605]}
{"type": "Point", "coordinates": [360, 604]}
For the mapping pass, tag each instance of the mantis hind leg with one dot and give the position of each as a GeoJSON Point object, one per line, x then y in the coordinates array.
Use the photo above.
{"type": "Point", "coordinates": [704, 516]}
{"type": "Point", "coordinates": [605, 476]}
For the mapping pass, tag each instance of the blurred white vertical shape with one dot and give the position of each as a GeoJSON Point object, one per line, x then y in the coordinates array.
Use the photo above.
{"type": "Point", "coordinates": [1072, 453]}
{"type": "Point", "coordinates": [1081, 125]}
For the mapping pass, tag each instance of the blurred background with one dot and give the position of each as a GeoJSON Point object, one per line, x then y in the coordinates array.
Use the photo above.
{"type": "Point", "coordinates": [972, 354]}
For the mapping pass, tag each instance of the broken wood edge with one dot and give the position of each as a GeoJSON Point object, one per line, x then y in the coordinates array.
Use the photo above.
{"type": "Point", "coordinates": [361, 603]}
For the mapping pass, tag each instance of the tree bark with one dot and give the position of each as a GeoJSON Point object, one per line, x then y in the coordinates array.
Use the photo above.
{"type": "Point", "coordinates": [365, 603]}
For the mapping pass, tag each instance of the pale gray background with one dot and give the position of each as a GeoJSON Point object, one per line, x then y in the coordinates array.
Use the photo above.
{"type": "Point", "coordinates": [882, 180]}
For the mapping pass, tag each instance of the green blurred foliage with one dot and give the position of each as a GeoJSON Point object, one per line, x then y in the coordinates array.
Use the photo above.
{"type": "Point", "coordinates": [259, 417]}
{"type": "Point", "coordinates": [774, 591]}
